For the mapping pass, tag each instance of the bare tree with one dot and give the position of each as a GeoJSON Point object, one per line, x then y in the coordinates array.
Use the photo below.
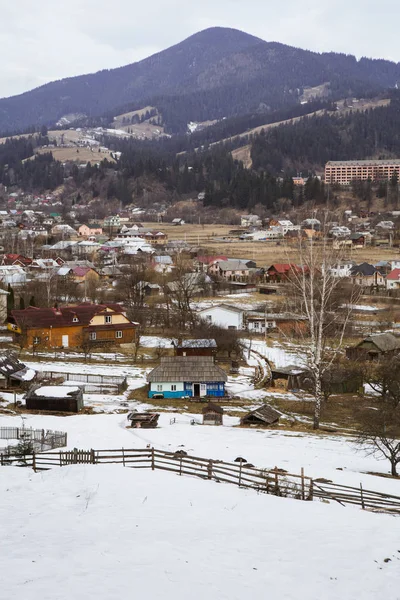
{"type": "Point", "coordinates": [318, 295]}
{"type": "Point", "coordinates": [184, 287]}
{"type": "Point", "coordinates": [379, 433]}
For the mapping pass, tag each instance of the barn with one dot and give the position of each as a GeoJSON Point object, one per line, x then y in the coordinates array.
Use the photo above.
{"type": "Point", "coordinates": [55, 398]}
{"type": "Point", "coordinates": [213, 414]}
{"type": "Point", "coordinates": [264, 416]}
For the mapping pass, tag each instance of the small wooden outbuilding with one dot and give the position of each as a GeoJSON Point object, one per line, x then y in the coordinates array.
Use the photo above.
{"type": "Point", "coordinates": [56, 398]}
{"type": "Point", "coordinates": [143, 420]}
{"type": "Point", "coordinates": [213, 414]}
{"type": "Point", "coordinates": [262, 417]}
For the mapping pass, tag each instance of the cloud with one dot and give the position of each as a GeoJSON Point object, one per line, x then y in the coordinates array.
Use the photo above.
{"type": "Point", "coordinates": [49, 40]}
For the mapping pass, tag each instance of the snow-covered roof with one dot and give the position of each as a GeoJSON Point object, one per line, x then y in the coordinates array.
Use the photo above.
{"type": "Point", "coordinates": [55, 391]}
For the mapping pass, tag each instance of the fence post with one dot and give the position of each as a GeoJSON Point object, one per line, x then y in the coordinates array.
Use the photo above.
{"type": "Point", "coordinates": [302, 484]}
{"type": "Point", "coordinates": [152, 459]}
{"type": "Point", "coordinates": [34, 461]}
{"type": "Point", "coordinates": [180, 466]}
{"type": "Point", "coordinates": [209, 469]}
{"type": "Point", "coordinates": [75, 455]}
{"type": "Point", "coordinates": [92, 456]}
{"type": "Point", "coordinates": [362, 497]}
{"type": "Point", "coordinates": [276, 483]}
{"type": "Point", "coordinates": [240, 473]}
{"type": "Point", "coordinates": [311, 497]}
{"type": "Point", "coordinates": [123, 457]}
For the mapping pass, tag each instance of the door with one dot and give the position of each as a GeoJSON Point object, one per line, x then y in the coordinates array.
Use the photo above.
{"type": "Point", "coordinates": [65, 341]}
{"type": "Point", "coordinates": [203, 389]}
{"type": "Point", "coordinates": [196, 390]}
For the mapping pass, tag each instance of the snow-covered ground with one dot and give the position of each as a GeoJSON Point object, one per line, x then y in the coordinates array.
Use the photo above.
{"type": "Point", "coordinates": [333, 457]}
{"type": "Point", "coordinates": [109, 532]}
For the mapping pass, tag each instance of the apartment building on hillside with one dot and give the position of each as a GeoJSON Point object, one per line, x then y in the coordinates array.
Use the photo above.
{"type": "Point", "coordinates": [344, 172]}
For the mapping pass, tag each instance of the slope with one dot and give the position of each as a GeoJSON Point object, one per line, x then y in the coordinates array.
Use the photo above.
{"type": "Point", "coordinates": [108, 532]}
{"type": "Point", "coordinates": [215, 73]}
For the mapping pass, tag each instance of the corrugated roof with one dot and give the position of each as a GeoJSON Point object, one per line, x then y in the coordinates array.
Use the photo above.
{"type": "Point", "coordinates": [187, 368]}
{"type": "Point", "coordinates": [33, 317]}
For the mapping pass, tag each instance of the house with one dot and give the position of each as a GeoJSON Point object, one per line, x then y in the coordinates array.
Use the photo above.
{"type": "Point", "coordinates": [79, 273]}
{"type": "Point", "coordinates": [284, 224]}
{"type": "Point", "coordinates": [342, 269]}
{"type": "Point", "coordinates": [16, 259]}
{"type": "Point", "coordinates": [186, 376]}
{"type": "Point", "coordinates": [374, 346]}
{"type": "Point", "coordinates": [178, 221]}
{"type": "Point", "coordinates": [393, 280]}
{"type": "Point", "coordinates": [13, 373]}
{"type": "Point", "coordinates": [281, 272]}
{"type": "Point", "coordinates": [223, 315]}
{"type": "Point", "coordinates": [358, 240]}
{"type": "Point", "coordinates": [261, 322]}
{"type": "Point", "coordinates": [202, 263]}
{"type": "Point", "coordinates": [366, 275]}
{"type": "Point", "coordinates": [232, 269]}
{"type": "Point", "coordinates": [55, 398]}
{"type": "Point", "coordinates": [213, 414]}
{"type": "Point", "coordinates": [250, 221]}
{"type": "Point", "coordinates": [72, 326]}
{"type": "Point", "coordinates": [163, 263]}
{"type": "Point", "coordinates": [264, 416]}
{"type": "Point", "coordinates": [13, 275]}
{"type": "Point", "coordinates": [88, 230]}
{"type": "Point", "coordinates": [204, 347]}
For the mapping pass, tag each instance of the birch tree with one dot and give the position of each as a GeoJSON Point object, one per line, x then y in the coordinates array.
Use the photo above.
{"type": "Point", "coordinates": [324, 303]}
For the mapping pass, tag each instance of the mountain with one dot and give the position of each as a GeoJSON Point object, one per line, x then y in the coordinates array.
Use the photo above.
{"type": "Point", "coordinates": [213, 74]}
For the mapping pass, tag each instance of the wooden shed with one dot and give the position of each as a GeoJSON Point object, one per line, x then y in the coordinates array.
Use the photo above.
{"type": "Point", "coordinates": [56, 398]}
{"type": "Point", "coordinates": [261, 417]}
{"type": "Point", "coordinates": [143, 420]}
{"type": "Point", "coordinates": [213, 414]}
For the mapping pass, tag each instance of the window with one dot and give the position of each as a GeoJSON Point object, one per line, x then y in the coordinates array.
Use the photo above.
{"type": "Point", "coordinates": [36, 340]}
{"type": "Point", "coordinates": [92, 335]}
{"type": "Point", "coordinates": [173, 387]}
{"type": "Point", "coordinates": [75, 320]}
{"type": "Point", "coordinates": [256, 325]}
{"type": "Point", "coordinates": [107, 319]}
{"type": "Point", "coordinates": [118, 334]}
{"type": "Point", "coordinates": [159, 387]}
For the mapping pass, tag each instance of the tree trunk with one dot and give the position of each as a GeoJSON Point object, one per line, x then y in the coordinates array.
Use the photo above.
{"type": "Point", "coordinates": [318, 404]}
{"type": "Point", "coordinates": [394, 468]}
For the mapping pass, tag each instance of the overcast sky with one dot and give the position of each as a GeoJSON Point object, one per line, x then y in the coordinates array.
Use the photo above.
{"type": "Point", "coordinates": [49, 39]}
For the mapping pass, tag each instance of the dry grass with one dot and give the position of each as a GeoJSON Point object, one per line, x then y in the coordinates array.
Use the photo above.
{"type": "Point", "coordinates": [80, 155]}
{"type": "Point", "coordinates": [216, 240]}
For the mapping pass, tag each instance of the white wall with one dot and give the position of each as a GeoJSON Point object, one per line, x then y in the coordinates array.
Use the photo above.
{"type": "Point", "coordinates": [166, 387]}
{"type": "Point", "coordinates": [222, 317]}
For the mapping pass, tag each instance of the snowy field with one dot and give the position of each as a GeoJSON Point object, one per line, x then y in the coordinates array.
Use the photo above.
{"type": "Point", "coordinates": [106, 532]}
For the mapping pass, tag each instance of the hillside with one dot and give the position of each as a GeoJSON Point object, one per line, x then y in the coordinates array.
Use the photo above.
{"type": "Point", "coordinates": [213, 74]}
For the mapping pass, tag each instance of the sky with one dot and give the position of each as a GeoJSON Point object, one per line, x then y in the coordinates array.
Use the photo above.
{"type": "Point", "coordinates": [46, 40]}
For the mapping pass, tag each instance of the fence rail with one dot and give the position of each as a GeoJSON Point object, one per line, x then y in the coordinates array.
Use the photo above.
{"type": "Point", "coordinates": [92, 383]}
{"type": "Point", "coordinates": [40, 439]}
{"type": "Point", "coordinates": [273, 481]}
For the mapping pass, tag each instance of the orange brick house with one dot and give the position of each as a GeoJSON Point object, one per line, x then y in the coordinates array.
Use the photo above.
{"type": "Point", "coordinates": [72, 326]}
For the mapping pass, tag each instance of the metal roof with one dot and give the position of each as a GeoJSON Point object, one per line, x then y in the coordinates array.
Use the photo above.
{"type": "Point", "coordinates": [187, 369]}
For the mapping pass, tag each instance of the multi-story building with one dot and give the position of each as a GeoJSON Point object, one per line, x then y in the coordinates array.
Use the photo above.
{"type": "Point", "coordinates": [344, 172]}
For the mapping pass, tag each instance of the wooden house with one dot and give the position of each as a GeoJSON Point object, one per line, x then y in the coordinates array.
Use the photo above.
{"type": "Point", "coordinates": [264, 416]}
{"type": "Point", "coordinates": [186, 377]}
{"type": "Point", "coordinates": [289, 378]}
{"type": "Point", "coordinates": [213, 414]}
{"type": "Point", "coordinates": [55, 398]}
{"type": "Point", "coordinates": [374, 346]}
{"type": "Point", "coordinates": [13, 373]}
{"type": "Point", "coordinates": [366, 275]}
{"type": "Point", "coordinates": [72, 326]}
{"type": "Point", "coordinates": [203, 347]}
{"type": "Point", "coordinates": [281, 272]}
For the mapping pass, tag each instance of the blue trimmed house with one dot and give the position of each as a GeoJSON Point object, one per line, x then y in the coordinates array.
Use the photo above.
{"type": "Point", "coordinates": [186, 377]}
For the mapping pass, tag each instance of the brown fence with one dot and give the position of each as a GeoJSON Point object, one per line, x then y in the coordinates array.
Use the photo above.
{"type": "Point", "coordinates": [274, 481]}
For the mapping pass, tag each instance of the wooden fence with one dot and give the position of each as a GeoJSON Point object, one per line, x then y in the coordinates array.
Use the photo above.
{"type": "Point", "coordinates": [273, 481]}
{"type": "Point", "coordinates": [95, 384]}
